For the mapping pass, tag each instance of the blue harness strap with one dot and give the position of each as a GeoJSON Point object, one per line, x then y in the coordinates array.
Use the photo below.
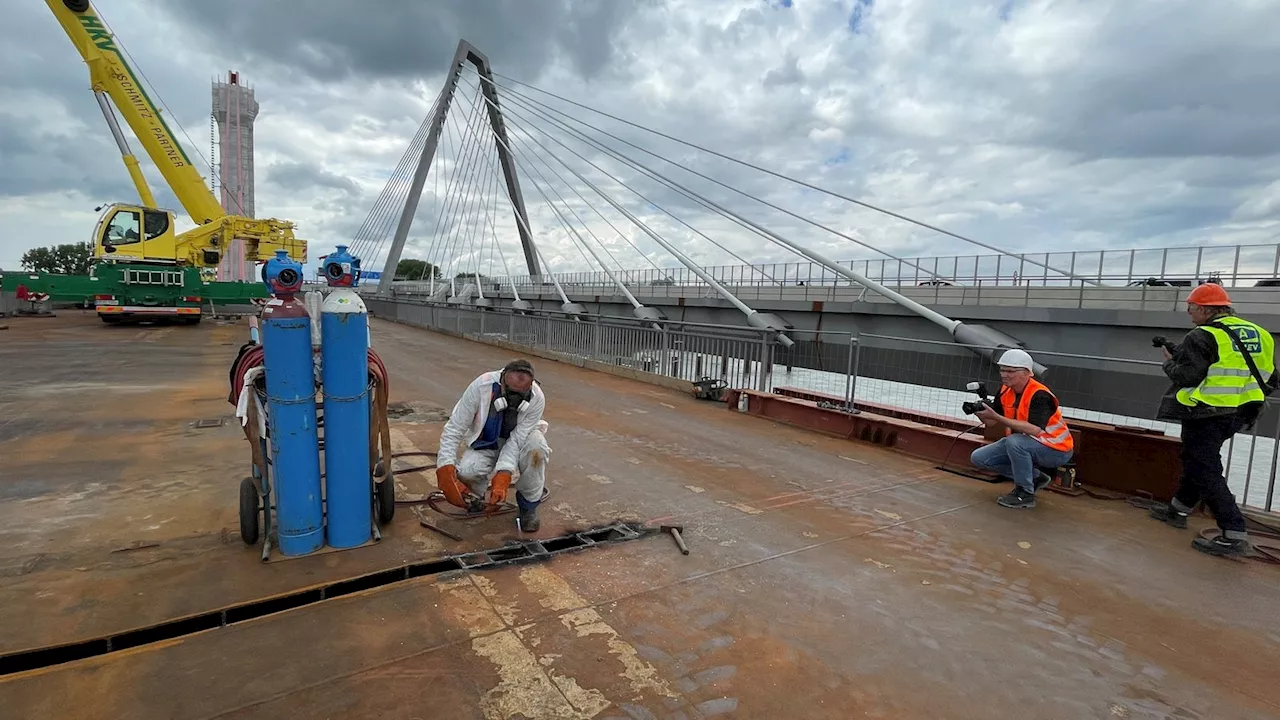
{"type": "Point", "coordinates": [492, 425]}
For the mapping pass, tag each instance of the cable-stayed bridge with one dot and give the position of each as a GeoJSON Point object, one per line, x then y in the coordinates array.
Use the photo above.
{"type": "Point", "coordinates": [504, 181]}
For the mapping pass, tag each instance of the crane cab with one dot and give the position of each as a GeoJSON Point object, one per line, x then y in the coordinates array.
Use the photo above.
{"type": "Point", "coordinates": [136, 233]}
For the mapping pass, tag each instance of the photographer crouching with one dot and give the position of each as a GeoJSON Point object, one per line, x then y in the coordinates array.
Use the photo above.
{"type": "Point", "coordinates": [1036, 435]}
{"type": "Point", "coordinates": [1218, 389]}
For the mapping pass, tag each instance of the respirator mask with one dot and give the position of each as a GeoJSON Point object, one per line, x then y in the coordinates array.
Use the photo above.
{"type": "Point", "coordinates": [511, 398]}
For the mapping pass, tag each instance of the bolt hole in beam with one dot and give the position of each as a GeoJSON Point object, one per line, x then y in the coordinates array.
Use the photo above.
{"type": "Point", "coordinates": [509, 554]}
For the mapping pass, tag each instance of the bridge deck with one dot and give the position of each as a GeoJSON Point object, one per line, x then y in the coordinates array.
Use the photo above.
{"type": "Point", "coordinates": [826, 579]}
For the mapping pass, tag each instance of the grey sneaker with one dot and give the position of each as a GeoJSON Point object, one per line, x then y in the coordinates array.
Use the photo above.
{"type": "Point", "coordinates": [1222, 546]}
{"type": "Point", "coordinates": [1168, 515]}
{"type": "Point", "coordinates": [1018, 499]}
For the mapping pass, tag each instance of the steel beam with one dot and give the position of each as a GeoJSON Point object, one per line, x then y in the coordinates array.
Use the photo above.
{"type": "Point", "coordinates": [1130, 461]}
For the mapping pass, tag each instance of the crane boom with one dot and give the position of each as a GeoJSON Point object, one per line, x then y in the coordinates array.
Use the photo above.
{"type": "Point", "coordinates": [132, 233]}
{"type": "Point", "coordinates": [109, 73]}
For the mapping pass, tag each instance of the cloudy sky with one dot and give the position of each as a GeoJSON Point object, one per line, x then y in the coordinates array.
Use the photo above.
{"type": "Point", "coordinates": [1030, 125]}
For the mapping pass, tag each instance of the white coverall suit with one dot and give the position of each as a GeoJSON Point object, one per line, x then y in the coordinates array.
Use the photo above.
{"type": "Point", "coordinates": [524, 454]}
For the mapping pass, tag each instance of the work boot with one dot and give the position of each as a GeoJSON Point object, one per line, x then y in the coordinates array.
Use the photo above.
{"type": "Point", "coordinates": [1222, 546]}
{"type": "Point", "coordinates": [1018, 499]}
{"type": "Point", "coordinates": [528, 517]}
{"type": "Point", "coordinates": [1169, 515]}
{"type": "Point", "coordinates": [1042, 480]}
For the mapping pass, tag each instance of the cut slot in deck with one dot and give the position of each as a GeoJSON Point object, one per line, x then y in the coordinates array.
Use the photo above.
{"type": "Point", "coordinates": [512, 553]}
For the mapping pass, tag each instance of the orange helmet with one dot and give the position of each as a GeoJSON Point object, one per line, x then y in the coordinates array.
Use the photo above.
{"type": "Point", "coordinates": [1209, 295]}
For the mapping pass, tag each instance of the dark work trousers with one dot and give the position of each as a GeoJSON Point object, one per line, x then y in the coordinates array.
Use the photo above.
{"type": "Point", "coordinates": [1202, 479]}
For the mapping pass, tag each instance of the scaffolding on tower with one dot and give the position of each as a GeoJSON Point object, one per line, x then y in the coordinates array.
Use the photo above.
{"type": "Point", "coordinates": [234, 110]}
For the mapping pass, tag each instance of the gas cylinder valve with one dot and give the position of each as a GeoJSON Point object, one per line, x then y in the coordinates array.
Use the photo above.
{"type": "Point", "coordinates": [282, 275]}
{"type": "Point", "coordinates": [341, 269]}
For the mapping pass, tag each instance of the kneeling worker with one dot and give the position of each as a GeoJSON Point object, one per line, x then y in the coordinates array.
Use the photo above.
{"type": "Point", "coordinates": [1036, 435]}
{"type": "Point", "coordinates": [499, 417]}
{"type": "Point", "coordinates": [1221, 374]}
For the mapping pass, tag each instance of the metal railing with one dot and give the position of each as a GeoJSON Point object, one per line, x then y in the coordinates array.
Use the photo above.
{"type": "Point", "coordinates": [1232, 265]}
{"type": "Point", "coordinates": [1105, 279]}
{"type": "Point", "coordinates": [927, 376]}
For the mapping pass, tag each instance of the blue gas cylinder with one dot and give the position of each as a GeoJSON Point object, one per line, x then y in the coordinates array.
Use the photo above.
{"type": "Point", "coordinates": [344, 347]}
{"type": "Point", "coordinates": [291, 410]}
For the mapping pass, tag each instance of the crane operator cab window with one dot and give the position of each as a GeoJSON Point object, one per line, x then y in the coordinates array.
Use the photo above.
{"type": "Point", "coordinates": [154, 223]}
{"type": "Point", "coordinates": [123, 228]}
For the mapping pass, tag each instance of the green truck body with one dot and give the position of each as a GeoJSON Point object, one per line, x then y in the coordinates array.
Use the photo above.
{"type": "Point", "coordinates": [124, 291]}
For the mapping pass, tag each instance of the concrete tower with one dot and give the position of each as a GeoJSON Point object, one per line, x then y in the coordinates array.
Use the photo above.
{"type": "Point", "coordinates": [234, 110]}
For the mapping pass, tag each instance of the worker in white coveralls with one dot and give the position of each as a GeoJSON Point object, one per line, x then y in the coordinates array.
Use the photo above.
{"type": "Point", "coordinates": [499, 418]}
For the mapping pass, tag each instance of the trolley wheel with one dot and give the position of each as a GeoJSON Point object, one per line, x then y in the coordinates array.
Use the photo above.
{"type": "Point", "coordinates": [249, 511]}
{"type": "Point", "coordinates": [384, 496]}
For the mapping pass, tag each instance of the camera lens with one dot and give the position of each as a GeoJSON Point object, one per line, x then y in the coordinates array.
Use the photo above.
{"type": "Point", "coordinates": [288, 276]}
{"type": "Point", "coordinates": [333, 270]}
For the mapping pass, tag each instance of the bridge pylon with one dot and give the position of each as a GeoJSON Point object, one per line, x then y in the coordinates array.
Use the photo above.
{"type": "Point", "coordinates": [466, 53]}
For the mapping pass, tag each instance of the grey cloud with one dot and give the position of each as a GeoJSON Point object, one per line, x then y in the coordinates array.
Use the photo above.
{"type": "Point", "coordinates": [788, 73]}
{"type": "Point", "coordinates": [1148, 87]}
{"type": "Point", "coordinates": [38, 161]}
{"type": "Point", "coordinates": [331, 40]}
{"type": "Point", "coordinates": [298, 176]}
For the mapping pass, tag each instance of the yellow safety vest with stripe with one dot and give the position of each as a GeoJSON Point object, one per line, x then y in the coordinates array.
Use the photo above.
{"type": "Point", "coordinates": [1229, 383]}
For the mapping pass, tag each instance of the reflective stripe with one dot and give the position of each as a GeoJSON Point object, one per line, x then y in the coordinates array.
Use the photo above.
{"type": "Point", "coordinates": [1057, 431]}
{"type": "Point", "coordinates": [1230, 389]}
{"type": "Point", "coordinates": [1055, 434]}
{"type": "Point", "coordinates": [1216, 371]}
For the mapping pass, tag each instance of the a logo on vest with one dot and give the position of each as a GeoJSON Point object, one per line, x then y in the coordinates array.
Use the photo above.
{"type": "Point", "coordinates": [1249, 337]}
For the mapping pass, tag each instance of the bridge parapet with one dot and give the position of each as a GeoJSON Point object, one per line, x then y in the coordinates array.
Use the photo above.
{"type": "Point", "coordinates": [1249, 301]}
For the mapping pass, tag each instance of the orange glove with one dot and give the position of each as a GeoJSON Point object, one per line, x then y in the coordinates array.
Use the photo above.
{"type": "Point", "coordinates": [453, 489]}
{"type": "Point", "coordinates": [498, 488]}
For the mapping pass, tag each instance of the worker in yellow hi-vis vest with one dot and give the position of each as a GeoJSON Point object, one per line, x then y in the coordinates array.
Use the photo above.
{"type": "Point", "coordinates": [1222, 372]}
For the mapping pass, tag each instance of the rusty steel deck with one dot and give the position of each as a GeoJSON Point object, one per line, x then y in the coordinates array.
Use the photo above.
{"type": "Point", "coordinates": [827, 578]}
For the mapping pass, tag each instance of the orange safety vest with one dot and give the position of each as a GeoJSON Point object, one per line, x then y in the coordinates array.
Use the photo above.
{"type": "Point", "coordinates": [1056, 435]}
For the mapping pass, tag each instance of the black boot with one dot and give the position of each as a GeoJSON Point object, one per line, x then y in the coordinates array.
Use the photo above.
{"type": "Point", "coordinates": [528, 518]}
{"type": "Point", "coordinates": [1222, 546]}
{"type": "Point", "coordinates": [1168, 514]}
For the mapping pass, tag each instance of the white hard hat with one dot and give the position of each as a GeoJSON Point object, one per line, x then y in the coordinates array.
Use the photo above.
{"type": "Point", "coordinates": [1016, 358]}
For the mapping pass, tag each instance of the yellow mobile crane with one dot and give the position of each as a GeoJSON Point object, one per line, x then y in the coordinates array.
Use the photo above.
{"type": "Point", "coordinates": [133, 237]}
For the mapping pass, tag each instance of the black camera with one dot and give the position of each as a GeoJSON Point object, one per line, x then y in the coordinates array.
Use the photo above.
{"type": "Point", "coordinates": [972, 407]}
{"type": "Point", "coordinates": [1162, 341]}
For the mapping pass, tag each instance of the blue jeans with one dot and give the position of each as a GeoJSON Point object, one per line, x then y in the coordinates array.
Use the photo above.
{"type": "Point", "coordinates": [1017, 456]}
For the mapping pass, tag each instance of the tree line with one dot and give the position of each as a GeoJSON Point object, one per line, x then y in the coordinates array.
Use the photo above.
{"type": "Point", "coordinates": [77, 259]}
{"type": "Point", "coordinates": [68, 259]}
{"type": "Point", "coordinates": [423, 270]}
